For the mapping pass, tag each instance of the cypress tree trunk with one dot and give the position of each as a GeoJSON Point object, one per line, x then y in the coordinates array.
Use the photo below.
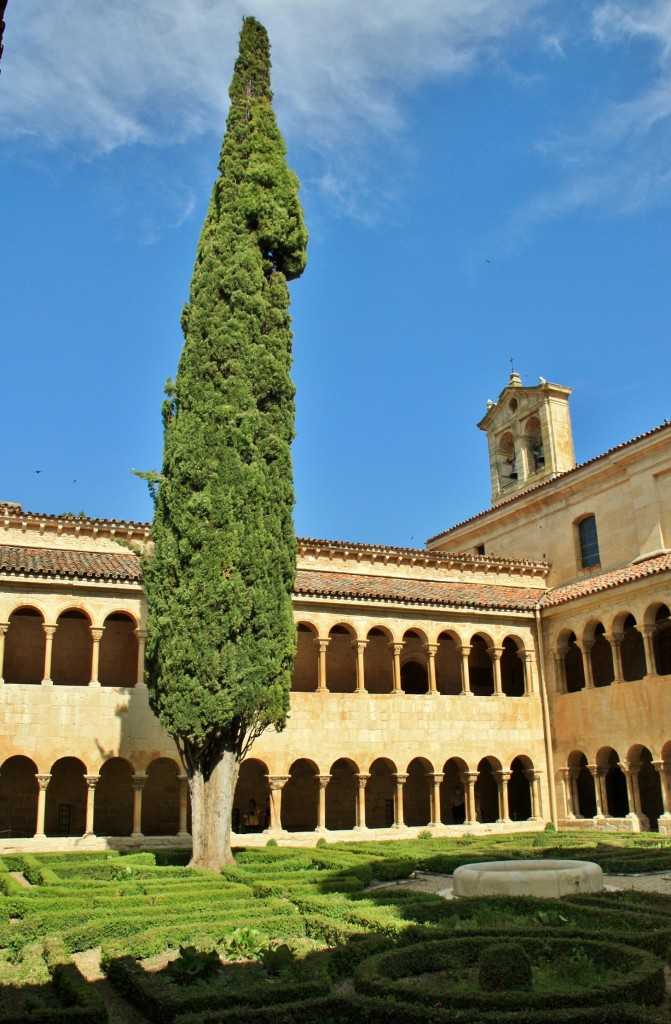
{"type": "Point", "coordinates": [220, 631]}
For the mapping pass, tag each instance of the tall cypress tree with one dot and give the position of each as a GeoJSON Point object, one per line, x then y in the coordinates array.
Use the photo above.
{"type": "Point", "coordinates": [220, 631]}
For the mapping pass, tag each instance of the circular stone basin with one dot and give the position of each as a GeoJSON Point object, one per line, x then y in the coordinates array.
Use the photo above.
{"type": "Point", "coordinates": [544, 878]}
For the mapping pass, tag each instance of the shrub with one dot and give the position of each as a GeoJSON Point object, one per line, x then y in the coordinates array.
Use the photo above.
{"type": "Point", "coordinates": [505, 967]}
{"type": "Point", "coordinates": [193, 965]}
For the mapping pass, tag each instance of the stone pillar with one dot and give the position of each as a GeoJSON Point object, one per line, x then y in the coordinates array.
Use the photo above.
{"type": "Point", "coordinates": [276, 784]}
{"type": "Point", "coordinates": [91, 783]}
{"type": "Point", "coordinates": [42, 782]}
{"type": "Point", "coordinates": [141, 635]}
{"type": "Point", "coordinates": [48, 650]}
{"type": "Point", "coordinates": [468, 780]}
{"type": "Point", "coordinates": [533, 777]}
{"type": "Point", "coordinates": [575, 796]}
{"type": "Point", "coordinates": [321, 643]}
{"type": "Point", "coordinates": [4, 626]}
{"type": "Point", "coordinates": [565, 775]}
{"type": "Point", "coordinates": [661, 768]}
{"type": "Point", "coordinates": [361, 779]}
{"type": "Point", "coordinates": [396, 652]}
{"type": "Point", "coordinates": [96, 636]}
{"type": "Point", "coordinates": [560, 670]}
{"type": "Point", "coordinates": [527, 659]}
{"type": "Point", "coordinates": [138, 786]}
{"type": "Point", "coordinates": [360, 646]}
{"type": "Point", "coordinates": [586, 648]}
{"type": "Point", "coordinates": [649, 650]}
{"type": "Point", "coordinates": [399, 818]}
{"type": "Point", "coordinates": [436, 779]}
{"type": "Point", "coordinates": [597, 773]}
{"type": "Point", "coordinates": [323, 781]}
{"type": "Point", "coordinates": [495, 654]}
{"type": "Point", "coordinates": [431, 650]}
{"type": "Point", "coordinates": [632, 786]}
{"type": "Point", "coordinates": [182, 830]}
{"type": "Point", "coordinates": [465, 650]}
{"type": "Point", "coordinates": [502, 780]}
{"type": "Point", "coordinates": [615, 640]}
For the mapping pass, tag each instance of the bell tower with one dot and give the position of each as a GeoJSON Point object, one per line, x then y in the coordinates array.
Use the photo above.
{"type": "Point", "coordinates": [529, 436]}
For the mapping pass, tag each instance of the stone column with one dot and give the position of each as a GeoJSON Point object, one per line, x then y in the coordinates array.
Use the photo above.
{"type": "Point", "coordinates": [465, 650]}
{"type": "Point", "coordinates": [431, 650]}
{"type": "Point", "coordinates": [436, 779]}
{"type": "Point", "coordinates": [597, 773]}
{"type": "Point", "coordinates": [323, 781]}
{"type": "Point", "coordinates": [396, 653]}
{"type": "Point", "coordinates": [399, 818]}
{"type": "Point", "coordinates": [276, 784]}
{"type": "Point", "coordinates": [182, 831]}
{"type": "Point", "coordinates": [649, 650]}
{"type": "Point", "coordinates": [565, 775]}
{"type": "Point", "coordinates": [48, 650]}
{"type": "Point", "coordinates": [42, 782]}
{"type": "Point", "coordinates": [361, 779]}
{"type": "Point", "coordinates": [502, 780]}
{"type": "Point", "coordinates": [91, 783]}
{"type": "Point", "coordinates": [560, 671]}
{"type": "Point", "coordinates": [96, 636]}
{"type": "Point", "coordinates": [321, 643]}
{"type": "Point", "coordinates": [661, 769]}
{"type": "Point", "coordinates": [533, 777]}
{"type": "Point", "coordinates": [575, 796]}
{"type": "Point", "coordinates": [360, 646]}
{"type": "Point", "coordinates": [495, 654]}
{"type": "Point", "coordinates": [4, 626]}
{"type": "Point", "coordinates": [138, 785]}
{"type": "Point", "coordinates": [586, 648]}
{"type": "Point", "coordinates": [527, 659]}
{"type": "Point", "coordinates": [632, 787]}
{"type": "Point", "coordinates": [615, 640]}
{"type": "Point", "coordinates": [141, 635]}
{"type": "Point", "coordinates": [468, 780]}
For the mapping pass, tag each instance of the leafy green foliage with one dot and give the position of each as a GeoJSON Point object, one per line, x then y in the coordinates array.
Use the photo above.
{"type": "Point", "coordinates": [505, 967]}
{"type": "Point", "coordinates": [220, 632]}
{"type": "Point", "coordinates": [244, 944]}
{"type": "Point", "coordinates": [193, 965]}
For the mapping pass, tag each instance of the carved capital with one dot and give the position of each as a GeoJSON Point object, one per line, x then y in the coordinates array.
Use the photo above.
{"type": "Point", "coordinates": [431, 649]}
{"type": "Point", "coordinates": [323, 780]}
{"type": "Point", "coordinates": [4, 626]}
{"type": "Point", "coordinates": [436, 776]}
{"type": "Point", "coordinates": [362, 778]}
{"type": "Point", "coordinates": [495, 653]}
{"type": "Point", "coordinates": [49, 630]}
{"type": "Point", "coordinates": [502, 776]}
{"type": "Point", "coordinates": [43, 781]}
{"type": "Point", "coordinates": [359, 646]}
{"type": "Point", "coordinates": [96, 634]}
{"type": "Point", "coordinates": [91, 781]}
{"type": "Point", "coordinates": [138, 782]}
{"type": "Point", "coordinates": [401, 777]}
{"type": "Point", "coordinates": [277, 781]}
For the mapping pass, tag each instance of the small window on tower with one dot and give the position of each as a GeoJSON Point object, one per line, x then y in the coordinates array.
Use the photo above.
{"type": "Point", "coordinates": [589, 542]}
{"type": "Point", "coordinates": [480, 549]}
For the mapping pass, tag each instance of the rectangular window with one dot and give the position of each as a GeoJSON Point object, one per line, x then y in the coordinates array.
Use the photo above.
{"type": "Point", "coordinates": [589, 542]}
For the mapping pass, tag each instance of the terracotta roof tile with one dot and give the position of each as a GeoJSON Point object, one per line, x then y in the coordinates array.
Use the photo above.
{"type": "Point", "coordinates": [83, 565]}
{"type": "Point", "coordinates": [404, 591]}
{"type": "Point", "coordinates": [605, 580]}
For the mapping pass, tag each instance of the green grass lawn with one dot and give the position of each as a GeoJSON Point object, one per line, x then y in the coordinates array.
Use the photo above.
{"type": "Point", "coordinates": [301, 939]}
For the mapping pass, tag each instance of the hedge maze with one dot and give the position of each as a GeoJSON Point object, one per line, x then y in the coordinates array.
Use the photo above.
{"type": "Point", "coordinates": [294, 936]}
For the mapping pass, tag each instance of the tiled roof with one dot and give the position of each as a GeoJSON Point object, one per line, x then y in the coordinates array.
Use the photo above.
{"type": "Point", "coordinates": [81, 565]}
{"type": "Point", "coordinates": [605, 580]}
{"type": "Point", "coordinates": [353, 547]}
{"type": "Point", "coordinates": [404, 591]}
{"type": "Point", "coordinates": [546, 483]}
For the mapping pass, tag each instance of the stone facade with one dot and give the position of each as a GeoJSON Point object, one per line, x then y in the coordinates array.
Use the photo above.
{"type": "Point", "coordinates": [513, 672]}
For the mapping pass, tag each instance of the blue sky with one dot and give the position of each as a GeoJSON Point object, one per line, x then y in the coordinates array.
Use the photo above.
{"type": "Point", "coordinates": [482, 179]}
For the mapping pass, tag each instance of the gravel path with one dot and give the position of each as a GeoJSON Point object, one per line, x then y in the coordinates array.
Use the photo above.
{"type": "Point", "coordinates": [441, 885]}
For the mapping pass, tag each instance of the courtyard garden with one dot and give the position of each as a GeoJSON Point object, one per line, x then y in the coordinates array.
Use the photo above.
{"type": "Point", "coordinates": [330, 935]}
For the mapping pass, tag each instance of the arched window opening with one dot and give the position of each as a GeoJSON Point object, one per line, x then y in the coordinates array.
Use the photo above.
{"type": "Point", "coordinates": [380, 792]}
{"type": "Point", "coordinates": [73, 650]}
{"type": "Point", "coordinates": [305, 676]}
{"type": "Point", "coordinates": [113, 809]}
{"type": "Point", "coordinates": [574, 668]}
{"type": "Point", "coordinates": [534, 446]}
{"type": "Point", "coordinates": [661, 641]}
{"type": "Point", "coordinates": [588, 542]}
{"type": "Point", "coordinates": [519, 792]}
{"type": "Point", "coordinates": [632, 651]}
{"type": "Point", "coordinates": [18, 798]}
{"type": "Point", "coordinates": [341, 794]}
{"type": "Point", "coordinates": [448, 665]}
{"type": "Point", "coordinates": [65, 813]}
{"type": "Point", "coordinates": [486, 793]}
{"type": "Point", "coordinates": [417, 793]}
{"type": "Point", "coordinates": [616, 788]}
{"type": "Point", "coordinates": [340, 661]}
{"type": "Point", "coordinates": [512, 670]}
{"type": "Point", "coordinates": [452, 793]}
{"type": "Point", "coordinates": [507, 461]}
{"type": "Point", "coordinates": [602, 658]}
{"type": "Point", "coordinates": [118, 653]}
{"type": "Point", "coordinates": [25, 644]}
{"type": "Point", "coordinates": [160, 799]}
{"type": "Point", "coordinates": [480, 668]}
{"type": "Point", "coordinates": [581, 781]}
{"type": "Point", "coordinates": [414, 678]}
{"type": "Point", "coordinates": [251, 800]}
{"type": "Point", "coordinates": [649, 786]}
{"type": "Point", "coordinates": [300, 797]}
{"type": "Point", "coordinates": [378, 663]}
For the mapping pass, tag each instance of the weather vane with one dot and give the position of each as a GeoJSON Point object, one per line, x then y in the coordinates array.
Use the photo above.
{"type": "Point", "coordinates": [512, 366]}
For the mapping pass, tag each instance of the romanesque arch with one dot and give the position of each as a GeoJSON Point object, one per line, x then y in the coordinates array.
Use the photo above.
{"type": "Point", "coordinates": [574, 668]}
{"type": "Point", "coordinates": [581, 783]}
{"type": "Point", "coordinates": [118, 651]}
{"type": "Point", "coordinates": [417, 792]}
{"type": "Point", "coordinates": [614, 784]}
{"type": "Point", "coordinates": [25, 645]}
{"type": "Point", "coordinates": [453, 810]}
{"type": "Point", "coordinates": [448, 663]}
{"type": "Point", "coordinates": [300, 797]}
{"type": "Point", "coordinates": [160, 798]}
{"type": "Point", "coordinates": [601, 655]}
{"type": "Point", "coordinates": [414, 674]}
{"type": "Point", "coordinates": [18, 797]}
{"type": "Point", "coordinates": [305, 676]}
{"type": "Point", "coordinates": [341, 795]}
{"type": "Point", "coordinates": [72, 655]}
{"type": "Point", "coordinates": [378, 660]}
{"type": "Point", "coordinates": [661, 640]}
{"type": "Point", "coordinates": [480, 668]}
{"type": "Point", "coordinates": [66, 798]}
{"type": "Point", "coordinates": [380, 794]}
{"type": "Point", "coordinates": [512, 668]}
{"type": "Point", "coordinates": [519, 789]}
{"type": "Point", "coordinates": [487, 790]}
{"type": "Point", "coordinates": [113, 814]}
{"type": "Point", "coordinates": [632, 647]}
{"type": "Point", "coordinates": [648, 785]}
{"type": "Point", "coordinates": [341, 660]}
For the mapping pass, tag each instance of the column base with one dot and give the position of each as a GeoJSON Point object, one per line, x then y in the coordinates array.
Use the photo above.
{"type": "Point", "coordinates": [40, 835]}
{"type": "Point", "coordinates": [321, 829]}
{"type": "Point", "coordinates": [471, 821]}
{"type": "Point", "coordinates": [137, 835]}
{"type": "Point", "coordinates": [361, 693]}
{"type": "Point", "coordinates": [397, 825]}
{"type": "Point", "coordinates": [47, 682]}
{"type": "Point", "coordinates": [94, 682]}
{"type": "Point", "coordinates": [503, 821]}
{"type": "Point", "coordinates": [180, 835]}
{"type": "Point", "coordinates": [360, 828]}
{"type": "Point", "coordinates": [466, 693]}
